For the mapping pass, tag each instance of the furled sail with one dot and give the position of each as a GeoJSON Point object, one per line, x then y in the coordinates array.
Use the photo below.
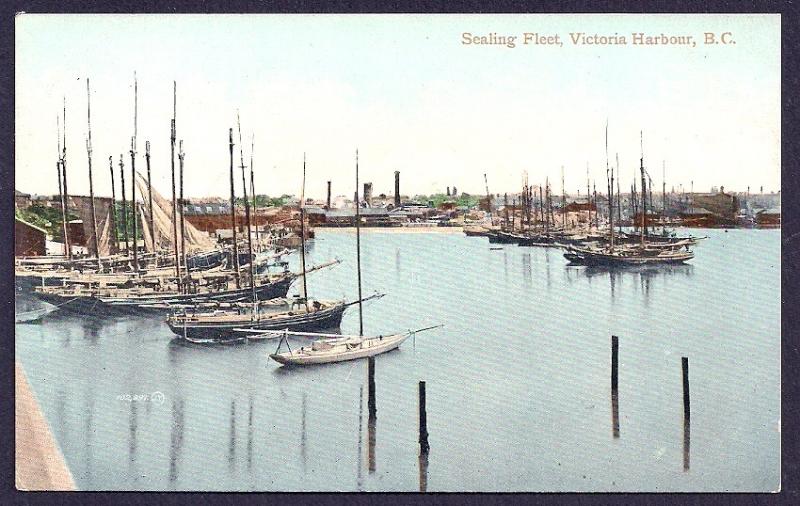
{"type": "Point", "coordinates": [196, 241]}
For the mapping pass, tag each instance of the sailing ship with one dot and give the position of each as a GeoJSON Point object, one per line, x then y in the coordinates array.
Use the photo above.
{"type": "Point", "coordinates": [328, 348]}
{"type": "Point", "coordinates": [668, 251]}
{"type": "Point", "coordinates": [301, 314]}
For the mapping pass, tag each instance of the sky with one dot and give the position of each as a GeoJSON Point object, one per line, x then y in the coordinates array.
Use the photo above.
{"type": "Point", "coordinates": [407, 93]}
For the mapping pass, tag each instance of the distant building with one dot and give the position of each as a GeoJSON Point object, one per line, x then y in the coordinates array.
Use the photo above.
{"type": "Point", "coordinates": [21, 200]}
{"type": "Point", "coordinates": [769, 218]}
{"type": "Point", "coordinates": [29, 240]}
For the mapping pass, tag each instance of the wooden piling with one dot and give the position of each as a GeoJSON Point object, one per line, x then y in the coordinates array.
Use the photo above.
{"type": "Point", "coordinates": [686, 418]}
{"type": "Point", "coordinates": [685, 369]}
{"type": "Point", "coordinates": [371, 388]}
{"type": "Point", "coordinates": [614, 385]}
{"type": "Point", "coordinates": [424, 447]}
{"type": "Point", "coordinates": [614, 361]}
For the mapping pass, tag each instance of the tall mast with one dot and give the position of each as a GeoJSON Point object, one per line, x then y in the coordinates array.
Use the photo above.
{"type": "Point", "coordinates": [488, 196]}
{"type": "Point", "coordinates": [549, 204]}
{"type": "Point", "coordinates": [247, 215]}
{"type": "Point", "coordinates": [60, 188]}
{"type": "Point", "coordinates": [644, 187]}
{"type": "Point", "coordinates": [133, 174]}
{"type": "Point", "coordinates": [663, 187]}
{"type": "Point", "coordinates": [505, 208]}
{"type": "Point", "coordinates": [65, 205]}
{"type": "Point", "coordinates": [610, 180]}
{"type": "Point", "coordinates": [235, 246]}
{"type": "Point", "coordinates": [619, 199]}
{"type": "Point", "coordinates": [114, 228]}
{"type": "Point", "coordinates": [150, 195]}
{"type": "Point", "coordinates": [513, 213]}
{"type": "Point", "coordinates": [91, 184]}
{"type": "Point", "coordinates": [124, 206]}
{"type": "Point", "coordinates": [358, 254]}
{"type": "Point", "coordinates": [563, 199]}
{"type": "Point", "coordinates": [303, 232]}
{"type": "Point", "coordinates": [588, 196]}
{"type": "Point", "coordinates": [181, 205]}
{"type": "Point", "coordinates": [253, 186]}
{"type": "Point", "coordinates": [172, 138]}
{"type": "Point", "coordinates": [650, 192]}
{"type": "Point", "coordinates": [596, 214]}
{"type": "Point", "coordinates": [541, 207]}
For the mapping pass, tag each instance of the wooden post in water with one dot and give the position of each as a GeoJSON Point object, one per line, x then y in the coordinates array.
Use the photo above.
{"type": "Point", "coordinates": [686, 412]}
{"type": "Point", "coordinates": [614, 384]}
{"type": "Point", "coordinates": [371, 388]}
{"type": "Point", "coordinates": [424, 447]}
{"type": "Point", "coordinates": [235, 246]}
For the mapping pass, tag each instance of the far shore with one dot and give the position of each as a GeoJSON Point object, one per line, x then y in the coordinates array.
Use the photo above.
{"type": "Point", "coordinates": [392, 230]}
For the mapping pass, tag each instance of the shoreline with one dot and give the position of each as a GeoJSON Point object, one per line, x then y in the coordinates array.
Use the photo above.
{"type": "Point", "coordinates": [39, 463]}
{"type": "Point", "coordinates": [392, 230]}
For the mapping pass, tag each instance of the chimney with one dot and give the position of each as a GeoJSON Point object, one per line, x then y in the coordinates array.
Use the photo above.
{"type": "Point", "coordinates": [368, 193]}
{"type": "Point", "coordinates": [397, 188]}
{"type": "Point", "coordinates": [448, 191]}
{"type": "Point", "coordinates": [328, 201]}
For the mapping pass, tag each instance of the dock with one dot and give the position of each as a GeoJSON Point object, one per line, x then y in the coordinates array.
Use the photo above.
{"type": "Point", "coordinates": [39, 464]}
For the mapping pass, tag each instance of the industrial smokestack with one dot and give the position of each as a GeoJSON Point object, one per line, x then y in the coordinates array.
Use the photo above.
{"type": "Point", "coordinates": [397, 188]}
{"type": "Point", "coordinates": [328, 201]}
{"type": "Point", "coordinates": [368, 193]}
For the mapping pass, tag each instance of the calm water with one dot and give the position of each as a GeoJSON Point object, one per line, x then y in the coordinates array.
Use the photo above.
{"type": "Point", "coordinates": [518, 388]}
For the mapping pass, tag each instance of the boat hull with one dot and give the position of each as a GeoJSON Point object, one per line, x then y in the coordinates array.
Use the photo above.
{"type": "Point", "coordinates": [205, 331]}
{"type": "Point", "coordinates": [384, 345]}
{"type": "Point", "coordinates": [158, 304]}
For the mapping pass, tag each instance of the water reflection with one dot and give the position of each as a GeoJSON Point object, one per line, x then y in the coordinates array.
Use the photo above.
{"type": "Point", "coordinates": [133, 421]}
{"type": "Point", "coordinates": [176, 439]}
{"type": "Point", "coordinates": [371, 426]}
{"type": "Point", "coordinates": [547, 266]}
{"type": "Point", "coordinates": [360, 419]}
{"type": "Point", "coordinates": [423, 471]}
{"type": "Point", "coordinates": [88, 430]}
{"type": "Point", "coordinates": [686, 441]}
{"type": "Point", "coordinates": [373, 414]}
{"type": "Point", "coordinates": [303, 433]}
{"type": "Point", "coordinates": [250, 435]}
{"type": "Point", "coordinates": [527, 276]}
{"type": "Point", "coordinates": [615, 413]}
{"type": "Point", "coordinates": [232, 438]}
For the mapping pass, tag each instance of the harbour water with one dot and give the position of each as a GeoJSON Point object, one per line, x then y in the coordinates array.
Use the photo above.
{"type": "Point", "coordinates": [518, 379]}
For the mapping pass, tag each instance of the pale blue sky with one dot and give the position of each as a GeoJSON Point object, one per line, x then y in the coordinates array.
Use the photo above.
{"type": "Point", "coordinates": [407, 93]}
